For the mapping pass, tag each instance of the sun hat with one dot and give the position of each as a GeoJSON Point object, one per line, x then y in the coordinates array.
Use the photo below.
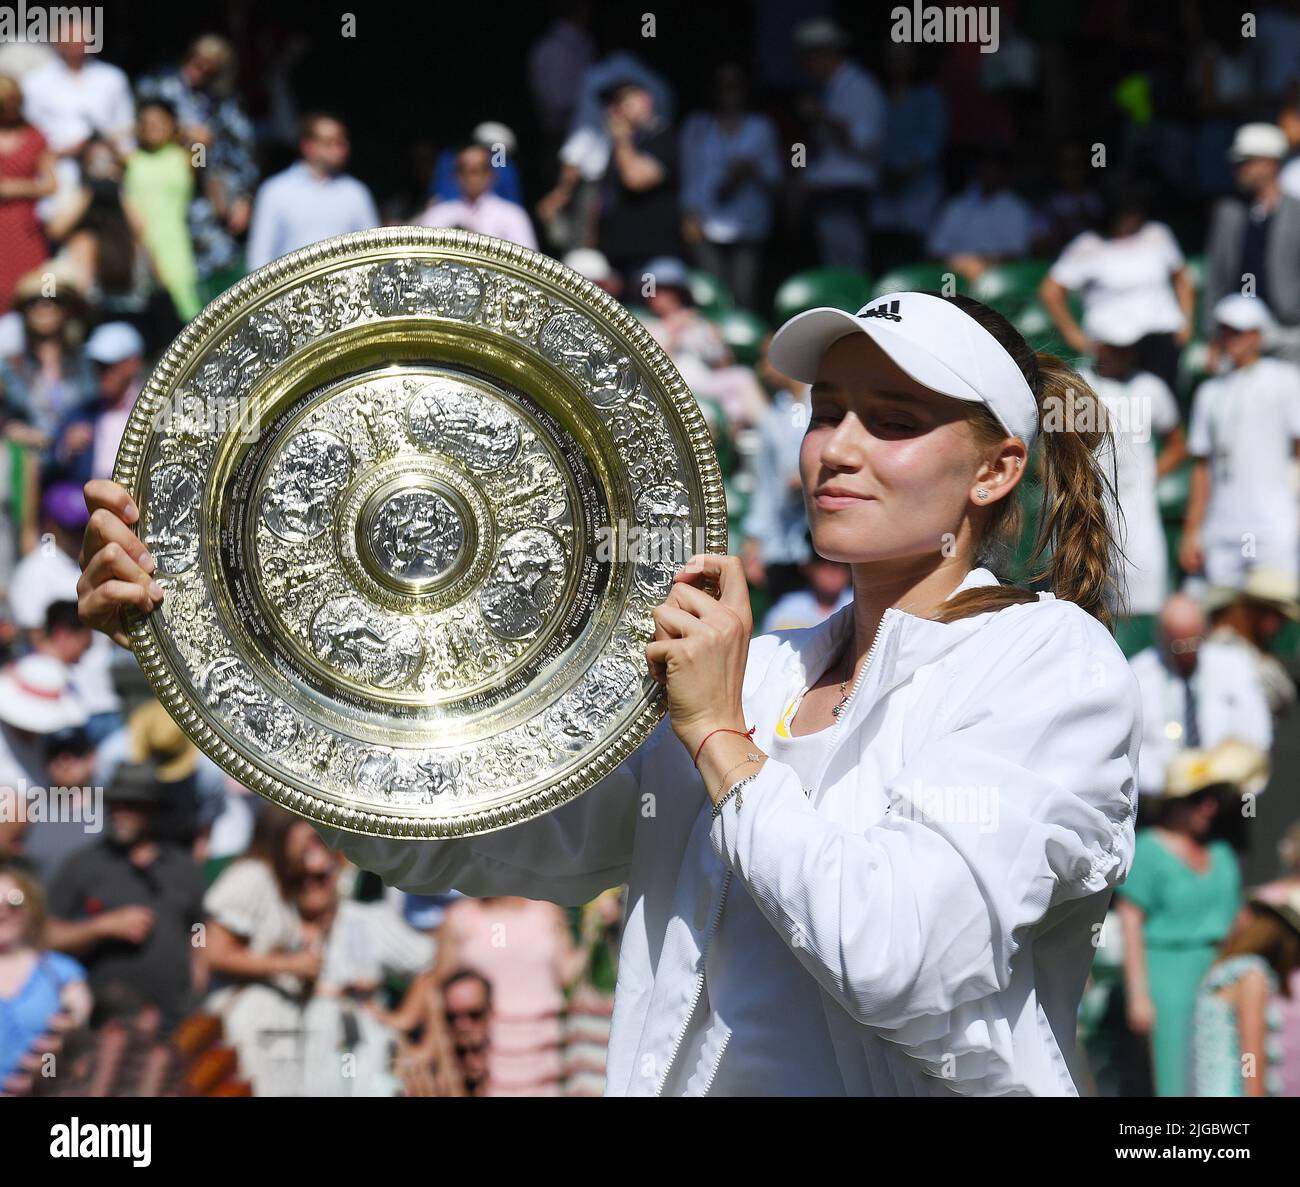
{"type": "Point", "coordinates": [1258, 140]}
{"type": "Point", "coordinates": [1238, 311]}
{"type": "Point", "coordinates": [36, 695]}
{"type": "Point", "coordinates": [933, 340]}
{"type": "Point", "coordinates": [1273, 586]}
{"type": "Point", "coordinates": [114, 342]}
{"type": "Point", "coordinates": [154, 736]}
{"type": "Point", "coordinates": [1232, 763]}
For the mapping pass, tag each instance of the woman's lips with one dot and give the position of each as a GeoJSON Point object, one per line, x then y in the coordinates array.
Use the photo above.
{"type": "Point", "coordinates": [832, 502]}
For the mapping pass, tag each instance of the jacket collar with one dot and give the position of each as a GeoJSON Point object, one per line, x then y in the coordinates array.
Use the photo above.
{"type": "Point", "coordinates": [904, 642]}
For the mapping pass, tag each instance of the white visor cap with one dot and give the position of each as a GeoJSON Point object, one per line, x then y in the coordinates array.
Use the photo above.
{"type": "Point", "coordinates": [931, 339]}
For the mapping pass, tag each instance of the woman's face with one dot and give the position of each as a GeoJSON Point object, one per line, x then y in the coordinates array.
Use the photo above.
{"type": "Point", "coordinates": [907, 455]}
{"type": "Point", "coordinates": [44, 318]}
{"type": "Point", "coordinates": [156, 127]}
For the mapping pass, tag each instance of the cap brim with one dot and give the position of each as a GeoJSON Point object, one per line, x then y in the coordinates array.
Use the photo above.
{"type": "Point", "coordinates": [797, 348]}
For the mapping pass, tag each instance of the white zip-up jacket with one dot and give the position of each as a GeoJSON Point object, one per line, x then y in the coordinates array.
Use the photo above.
{"type": "Point", "coordinates": [946, 880]}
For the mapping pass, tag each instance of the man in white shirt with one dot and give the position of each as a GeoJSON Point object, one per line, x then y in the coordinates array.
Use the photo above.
{"type": "Point", "coordinates": [847, 128]}
{"type": "Point", "coordinates": [1140, 406]}
{"type": "Point", "coordinates": [1195, 693]}
{"type": "Point", "coordinates": [985, 223]}
{"type": "Point", "coordinates": [1242, 511]}
{"type": "Point", "coordinates": [478, 208]}
{"type": "Point", "coordinates": [71, 98]}
{"type": "Point", "coordinates": [311, 200]}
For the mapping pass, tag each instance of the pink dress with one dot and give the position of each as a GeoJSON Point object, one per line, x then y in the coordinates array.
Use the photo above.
{"type": "Point", "coordinates": [519, 950]}
{"type": "Point", "coordinates": [22, 241]}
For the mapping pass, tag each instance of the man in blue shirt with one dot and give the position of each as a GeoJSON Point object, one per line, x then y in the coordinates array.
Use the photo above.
{"type": "Point", "coordinates": [311, 200]}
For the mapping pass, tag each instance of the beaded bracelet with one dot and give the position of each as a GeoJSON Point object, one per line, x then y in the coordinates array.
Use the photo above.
{"type": "Point", "coordinates": [734, 790]}
{"type": "Point", "coordinates": [749, 758]}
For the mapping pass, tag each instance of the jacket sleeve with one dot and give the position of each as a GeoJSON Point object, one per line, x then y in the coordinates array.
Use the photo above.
{"type": "Point", "coordinates": [566, 856]}
{"type": "Point", "coordinates": [1021, 799]}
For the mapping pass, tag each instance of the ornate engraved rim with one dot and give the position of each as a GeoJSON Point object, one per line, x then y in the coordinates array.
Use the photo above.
{"type": "Point", "coordinates": [355, 247]}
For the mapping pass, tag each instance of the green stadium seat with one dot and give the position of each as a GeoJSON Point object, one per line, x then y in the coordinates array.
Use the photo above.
{"type": "Point", "coordinates": [926, 275]}
{"type": "Point", "coordinates": [1011, 287]}
{"type": "Point", "coordinates": [743, 332]}
{"type": "Point", "coordinates": [1135, 634]}
{"type": "Point", "coordinates": [710, 295]}
{"type": "Point", "coordinates": [841, 288]}
{"type": "Point", "coordinates": [1038, 329]}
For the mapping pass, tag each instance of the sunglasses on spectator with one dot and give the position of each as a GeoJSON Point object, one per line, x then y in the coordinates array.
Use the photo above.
{"type": "Point", "coordinates": [476, 1015]}
{"type": "Point", "coordinates": [1185, 646]}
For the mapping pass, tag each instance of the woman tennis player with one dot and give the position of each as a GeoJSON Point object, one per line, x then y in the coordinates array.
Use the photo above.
{"type": "Point", "coordinates": [870, 857]}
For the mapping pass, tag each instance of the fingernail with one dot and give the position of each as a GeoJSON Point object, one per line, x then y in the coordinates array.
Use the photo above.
{"type": "Point", "coordinates": [130, 511]}
{"type": "Point", "coordinates": [155, 591]}
{"type": "Point", "coordinates": [147, 563]}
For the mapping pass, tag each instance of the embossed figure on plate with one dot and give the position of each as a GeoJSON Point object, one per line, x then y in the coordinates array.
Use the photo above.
{"type": "Point", "coordinates": [303, 485]}
{"type": "Point", "coordinates": [416, 535]}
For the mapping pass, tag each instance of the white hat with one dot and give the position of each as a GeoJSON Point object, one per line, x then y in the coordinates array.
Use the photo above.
{"type": "Point", "coordinates": [819, 33]}
{"type": "Point", "coordinates": [1112, 326]}
{"type": "Point", "coordinates": [114, 341]}
{"type": "Point", "coordinates": [933, 340]}
{"type": "Point", "coordinates": [589, 263]}
{"type": "Point", "coordinates": [36, 694]}
{"type": "Point", "coordinates": [492, 132]}
{"type": "Point", "coordinates": [1258, 140]}
{"type": "Point", "coordinates": [1237, 311]}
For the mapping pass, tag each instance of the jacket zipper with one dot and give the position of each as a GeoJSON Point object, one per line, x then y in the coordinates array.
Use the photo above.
{"type": "Point", "coordinates": [699, 990]}
{"type": "Point", "coordinates": [862, 675]}
{"type": "Point", "coordinates": [726, 883]}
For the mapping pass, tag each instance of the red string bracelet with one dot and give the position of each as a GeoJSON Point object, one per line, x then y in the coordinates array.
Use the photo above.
{"type": "Point", "coordinates": [749, 733]}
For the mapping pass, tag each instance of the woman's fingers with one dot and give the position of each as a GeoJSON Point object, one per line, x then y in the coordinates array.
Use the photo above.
{"type": "Point", "coordinates": [113, 560]}
{"type": "Point", "coordinates": [111, 496]}
{"type": "Point", "coordinates": [672, 622]}
{"type": "Point", "coordinates": [727, 571]}
{"type": "Point", "coordinates": [101, 607]}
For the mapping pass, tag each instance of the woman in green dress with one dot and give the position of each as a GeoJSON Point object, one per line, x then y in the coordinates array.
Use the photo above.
{"type": "Point", "coordinates": [159, 185]}
{"type": "Point", "coordinates": [1177, 906]}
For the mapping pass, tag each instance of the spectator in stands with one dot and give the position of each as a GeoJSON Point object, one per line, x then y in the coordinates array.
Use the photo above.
{"type": "Point", "coordinates": [296, 968]}
{"type": "Point", "coordinates": [1244, 437]}
{"type": "Point", "coordinates": [469, 1005]}
{"type": "Point", "coordinates": [501, 145]}
{"type": "Point", "coordinates": [1288, 119]}
{"type": "Point", "coordinates": [1253, 244]}
{"type": "Point", "coordinates": [1251, 619]}
{"type": "Point", "coordinates": [36, 702]}
{"type": "Point", "coordinates": [1195, 693]}
{"type": "Point", "coordinates": [639, 213]}
{"type": "Point", "coordinates": [426, 1061]}
{"type": "Point", "coordinates": [911, 180]}
{"type": "Point", "coordinates": [592, 265]}
{"type": "Point", "coordinates": [478, 208]}
{"type": "Point", "coordinates": [311, 200]}
{"type": "Point", "coordinates": [569, 211]}
{"type": "Point", "coordinates": [128, 907]}
{"type": "Point", "coordinates": [26, 175]}
{"type": "Point", "coordinates": [828, 585]}
{"type": "Point", "coordinates": [51, 377]}
{"type": "Point", "coordinates": [42, 992]}
{"type": "Point", "coordinates": [986, 223]}
{"type": "Point", "coordinates": [1234, 1048]}
{"type": "Point", "coordinates": [526, 951]}
{"type": "Point", "coordinates": [1071, 208]}
{"type": "Point", "coordinates": [100, 234]}
{"type": "Point", "coordinates": [590, 1009]}
{"type": "Point", "coordinates": [731, 167]}
{"type": "Point", "coordinates": [1179, 901]}
{"type": "Point", "coordinates": [1132, 272]}
{"type": "Point", "coordinates": [775, 528]}
{"type": "Point", "coordinates": [86, 444]}
{"type": "Point", "coordinates": [201, 92]}
{"type": "Point", "coordinates": [846, 120]}
{"type": "Point", "coordinates": [556, 63]}
{"type": "Point", "coordinates": [76, 96]}
{"type": "Point", "coordinates": [194, 786]}
{"type": "Point", "coordinates": [49, 573]}
{"type": "Point", "coordinates": [1140, 406]}
{"type": "Point", "coordinates": [675, 322]}
{"type": "Point", "coordinates": [159, 184]}
{"type": "Point", "coordinates": [1283, 890]}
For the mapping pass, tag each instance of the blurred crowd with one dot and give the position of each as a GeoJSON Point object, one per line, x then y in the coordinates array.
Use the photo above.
{"type": "Point", "coordinates": [153, 890]}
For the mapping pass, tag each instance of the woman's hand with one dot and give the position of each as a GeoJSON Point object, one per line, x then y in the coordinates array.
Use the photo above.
{"type": "Point", "coordinates": [116, 568]}
{"type": "Point", "coordinates": [701, 646]}
{"type": "Point", "coordinates": [1141, 1014]}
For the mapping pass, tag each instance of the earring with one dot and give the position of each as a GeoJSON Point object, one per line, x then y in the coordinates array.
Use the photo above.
{"type": "Point", "coordinates": [981, 493]}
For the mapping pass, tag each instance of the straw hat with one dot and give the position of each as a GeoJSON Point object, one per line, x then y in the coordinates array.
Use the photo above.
{"type": "Point", "coordinates": [1284, 902]}
{"type": "Point", "coordinates": [51, 281]}
{"type": "Point", "coordinates": [1232, 763]}
{"type": "Point", "coordinates": [154, 737]}
{"type": "Point", "coordinates": [1276, 588]}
